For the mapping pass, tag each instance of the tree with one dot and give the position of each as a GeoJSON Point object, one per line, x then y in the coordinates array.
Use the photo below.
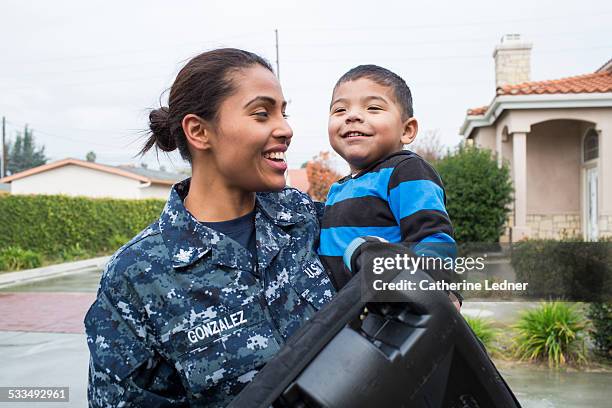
{"type": "Point", "coordinates": [478, 194]}
{"type": "Point", "coordinates": [320, 176]}
{"type": "Point", "coordinates": [23, 153]}
{"type": "Point", "coordinates": [428, 146]}
{"type": "Point", "coordinates": [91, 157]}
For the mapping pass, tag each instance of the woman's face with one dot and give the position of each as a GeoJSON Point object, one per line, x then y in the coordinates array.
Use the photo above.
{"type": "Point", "coordinates": [252, 134]}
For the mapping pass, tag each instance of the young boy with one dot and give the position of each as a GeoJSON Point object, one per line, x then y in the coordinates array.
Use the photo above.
{"type": "Point", "coordinates": [391, 193]}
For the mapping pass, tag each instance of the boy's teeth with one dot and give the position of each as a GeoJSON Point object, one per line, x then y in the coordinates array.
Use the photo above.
{"type": "Point", "coordinates": [275, 155]}
{"type": "Point", "coordinates": [352, 134]}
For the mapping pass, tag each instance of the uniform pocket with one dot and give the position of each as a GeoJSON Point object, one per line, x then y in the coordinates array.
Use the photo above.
{"type": "Point", "coordinates": [220, 356]}
{"type": "Point", "coordinates": [312, 283]}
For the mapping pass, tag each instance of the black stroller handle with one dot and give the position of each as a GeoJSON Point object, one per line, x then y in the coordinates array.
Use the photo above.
{"type": "Point", "coordinates": [414, 350]}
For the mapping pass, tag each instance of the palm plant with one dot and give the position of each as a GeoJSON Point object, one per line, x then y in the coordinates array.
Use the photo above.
{"type": "Point", "coordinates": [554, 331]}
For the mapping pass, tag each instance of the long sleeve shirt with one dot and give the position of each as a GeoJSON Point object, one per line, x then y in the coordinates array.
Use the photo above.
{"type": "Point", "coordinates": [400, 198]}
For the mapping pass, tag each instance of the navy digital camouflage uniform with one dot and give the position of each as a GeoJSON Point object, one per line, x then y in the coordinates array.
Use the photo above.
{"type": "Point", "coordinates": [184, 318]}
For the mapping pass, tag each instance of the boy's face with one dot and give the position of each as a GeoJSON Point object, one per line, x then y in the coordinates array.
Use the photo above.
{"type": "Point", "coordinates": [365, 123]}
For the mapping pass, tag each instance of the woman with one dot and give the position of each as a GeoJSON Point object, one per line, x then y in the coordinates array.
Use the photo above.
{"type": "Point", "coordinates": [195, 304]}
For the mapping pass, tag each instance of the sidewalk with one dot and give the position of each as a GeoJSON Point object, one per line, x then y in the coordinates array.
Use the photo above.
{"type": "Point", "coordinates": [48, 312]}
{"type": "Point", "coordinates": [67, 268]}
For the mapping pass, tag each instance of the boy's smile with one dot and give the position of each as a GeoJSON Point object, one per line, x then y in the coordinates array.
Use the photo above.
{"type": "Point", "coordinates": [365, 123]}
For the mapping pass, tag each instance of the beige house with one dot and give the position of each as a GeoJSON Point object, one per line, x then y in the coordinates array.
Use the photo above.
{"type": "Point", "coordinates": [298, 178]}
{"type": "Point", "coordinates": [81, 178]}
{"type": "Point", "coordinates": [556, 136]}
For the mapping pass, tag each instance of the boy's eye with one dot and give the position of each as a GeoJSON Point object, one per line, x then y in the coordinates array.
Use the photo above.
{"type": "Point", "coordinates": [285, 115]}
{"type": "Point", "coordinates": [338, 110]}
{"type": "Point", "coordinates": [374, 108]}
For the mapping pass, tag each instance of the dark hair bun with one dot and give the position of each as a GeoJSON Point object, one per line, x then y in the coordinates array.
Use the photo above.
{"type": "Point", "coordinates": [160, 128]}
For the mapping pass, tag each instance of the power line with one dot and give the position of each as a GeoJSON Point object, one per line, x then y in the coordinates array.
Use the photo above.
{"type": "Point", "coordinates": [439, 57]}
{"type": "Point", "coordinates": [37, 130]}
{"type": "Point", "coordinates": [453, 40]}
{"type": "Point", "coordinates": [138, 50]}
{"type": "Point", "coordinates": [462, 24]}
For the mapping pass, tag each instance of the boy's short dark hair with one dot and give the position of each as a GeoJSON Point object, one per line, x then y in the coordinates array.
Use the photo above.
{"type": "Point", "coordinates": [384, 77]}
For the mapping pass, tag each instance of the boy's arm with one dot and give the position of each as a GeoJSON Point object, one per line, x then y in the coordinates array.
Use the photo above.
{"type": "Point", "coordinates": [418, 203]}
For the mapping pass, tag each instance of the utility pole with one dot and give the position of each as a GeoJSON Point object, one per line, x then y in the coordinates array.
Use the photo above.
{"type": "Point", "coordinates": [3, 157]}
{"type": "Point", "coordinates": [277, 60]}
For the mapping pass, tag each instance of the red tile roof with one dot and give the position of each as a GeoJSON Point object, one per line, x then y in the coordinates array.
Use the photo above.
{"type": "Point", "coordinates": [600, 81]}
{"type": "Point", "coordinates": [120, 171]}
{"type": "Point", "coordinates": [477, 111]}
{"type": "Point", "coordinates": [589, 83]}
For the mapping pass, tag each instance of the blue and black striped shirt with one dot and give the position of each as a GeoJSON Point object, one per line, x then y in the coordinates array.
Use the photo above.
{"type": "Point", "coordinates": [400, 198]}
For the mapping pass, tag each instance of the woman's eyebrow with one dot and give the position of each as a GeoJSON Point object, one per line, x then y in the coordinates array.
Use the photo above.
{"type": "Point", "coordinates": [265, 99]}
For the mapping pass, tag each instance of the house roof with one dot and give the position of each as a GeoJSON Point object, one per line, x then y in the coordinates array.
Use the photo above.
{"type": "Point", "coordinates": [597, 82]}
{"type": "Point", "coordinates": [478, 111]}
{"type": "Point", "coordinates": [142, 175]}
{"type": "Point", "coordinates": [298, 178]}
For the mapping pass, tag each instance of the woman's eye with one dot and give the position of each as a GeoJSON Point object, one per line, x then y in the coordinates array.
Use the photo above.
{"type": "Point", "coordinates": [286, 116]}
{"type": "Point", "coordinates": [262, 114]}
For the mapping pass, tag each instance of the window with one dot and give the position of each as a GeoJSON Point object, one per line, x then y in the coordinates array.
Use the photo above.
{"type": "Point", "coordinates": [590, 145]}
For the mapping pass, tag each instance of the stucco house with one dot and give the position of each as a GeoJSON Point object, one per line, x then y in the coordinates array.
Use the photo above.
{"type": "Point", "coordinates": [298, 178]}
{"type": "Point", "coordinates": [75, 177]}
{"type": "Point", "coordinates": [556, 136]}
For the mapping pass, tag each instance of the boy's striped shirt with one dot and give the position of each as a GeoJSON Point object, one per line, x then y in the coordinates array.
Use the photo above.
{"type": "Point", "coordinates": [400, 198]}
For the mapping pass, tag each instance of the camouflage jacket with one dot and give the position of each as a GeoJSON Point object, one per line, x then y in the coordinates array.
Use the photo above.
{"type": "Point", "coordinates": [183, 317]}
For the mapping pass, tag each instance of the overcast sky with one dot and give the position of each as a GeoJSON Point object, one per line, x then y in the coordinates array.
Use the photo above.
{"type": "Point", "coordinates": [83, 74]}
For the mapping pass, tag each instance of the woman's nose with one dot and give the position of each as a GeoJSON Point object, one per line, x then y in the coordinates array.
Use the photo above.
{"type": "Point", "coordinates": [284, 130]}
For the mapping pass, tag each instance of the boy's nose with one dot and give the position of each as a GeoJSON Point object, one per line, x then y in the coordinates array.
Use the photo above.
{"type": "Point", "coordinates": [354, 116]}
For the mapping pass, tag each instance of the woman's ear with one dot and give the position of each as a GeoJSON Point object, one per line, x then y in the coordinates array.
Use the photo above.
{"type": "Point", "coordinates": [411, 128]}
{"type": "Point", "coordinates": [197, 132]}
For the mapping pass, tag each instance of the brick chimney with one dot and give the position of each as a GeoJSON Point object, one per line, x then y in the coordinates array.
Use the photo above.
{"type": "Point", "coordinates": [512, 61]}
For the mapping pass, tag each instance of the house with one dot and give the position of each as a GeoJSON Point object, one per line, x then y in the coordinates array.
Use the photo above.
{"type": "Point", "coordinates": [82, 178]}
{"type": "Point", "coordinates": [556, 136]}
{"type": "Point", "coordinates": [298, 178]}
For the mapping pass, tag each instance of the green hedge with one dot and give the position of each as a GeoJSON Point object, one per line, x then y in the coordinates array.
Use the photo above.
{"type": "Point", "coordinates": [601, 332]}
{"type": "Point", "coordinates": [569, 269]}
{"type": "Point", "coordinates": [478, 194]}
{"type": "Point", "coordinates": [52, 225]}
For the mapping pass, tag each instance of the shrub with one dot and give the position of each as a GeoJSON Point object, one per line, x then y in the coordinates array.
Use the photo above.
{"type": "Point", "coordinates": [482, 329]}
{"type": "Point", "coordinates": [73, 252]}
{"type": "Point", "coordinates": [13, 258]}
{"type": "Point", "coordinates": [552, 332]}
{"type": "Point", "coordinates": [61, 225]}
{"type": "Point", "coordinates": [601, 332]}
{"type": "Point", "coordinates": [117, 241]}
{"type": "Point", "coordinates": [568, 269]}
{"type": "Point", "coordinates": [478, 194]}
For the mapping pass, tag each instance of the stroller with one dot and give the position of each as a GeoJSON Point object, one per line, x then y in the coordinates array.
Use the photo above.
{"type": "Point", "coordinates": [413, 351]}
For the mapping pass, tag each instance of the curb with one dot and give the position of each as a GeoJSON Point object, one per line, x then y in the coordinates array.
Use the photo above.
{"type": "Point", "coordinates": [51, 271]}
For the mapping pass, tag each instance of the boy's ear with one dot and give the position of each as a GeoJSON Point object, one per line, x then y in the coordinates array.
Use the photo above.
{"type": "Point", "coordinates": [411, 128]}
{"type": "Point", "coordinates": [197, 132]}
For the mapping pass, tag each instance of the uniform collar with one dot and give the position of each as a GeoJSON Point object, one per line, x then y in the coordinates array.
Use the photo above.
{"type": "Point", "coordinates": [188, 240]}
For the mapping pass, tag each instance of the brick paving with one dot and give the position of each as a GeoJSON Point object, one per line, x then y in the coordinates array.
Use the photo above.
{"type": "Point", "coordinates": [50, 312]}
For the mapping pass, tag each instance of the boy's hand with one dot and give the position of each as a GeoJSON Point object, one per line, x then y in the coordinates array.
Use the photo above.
{"type": "Point", "coordinates": [455, 301]}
